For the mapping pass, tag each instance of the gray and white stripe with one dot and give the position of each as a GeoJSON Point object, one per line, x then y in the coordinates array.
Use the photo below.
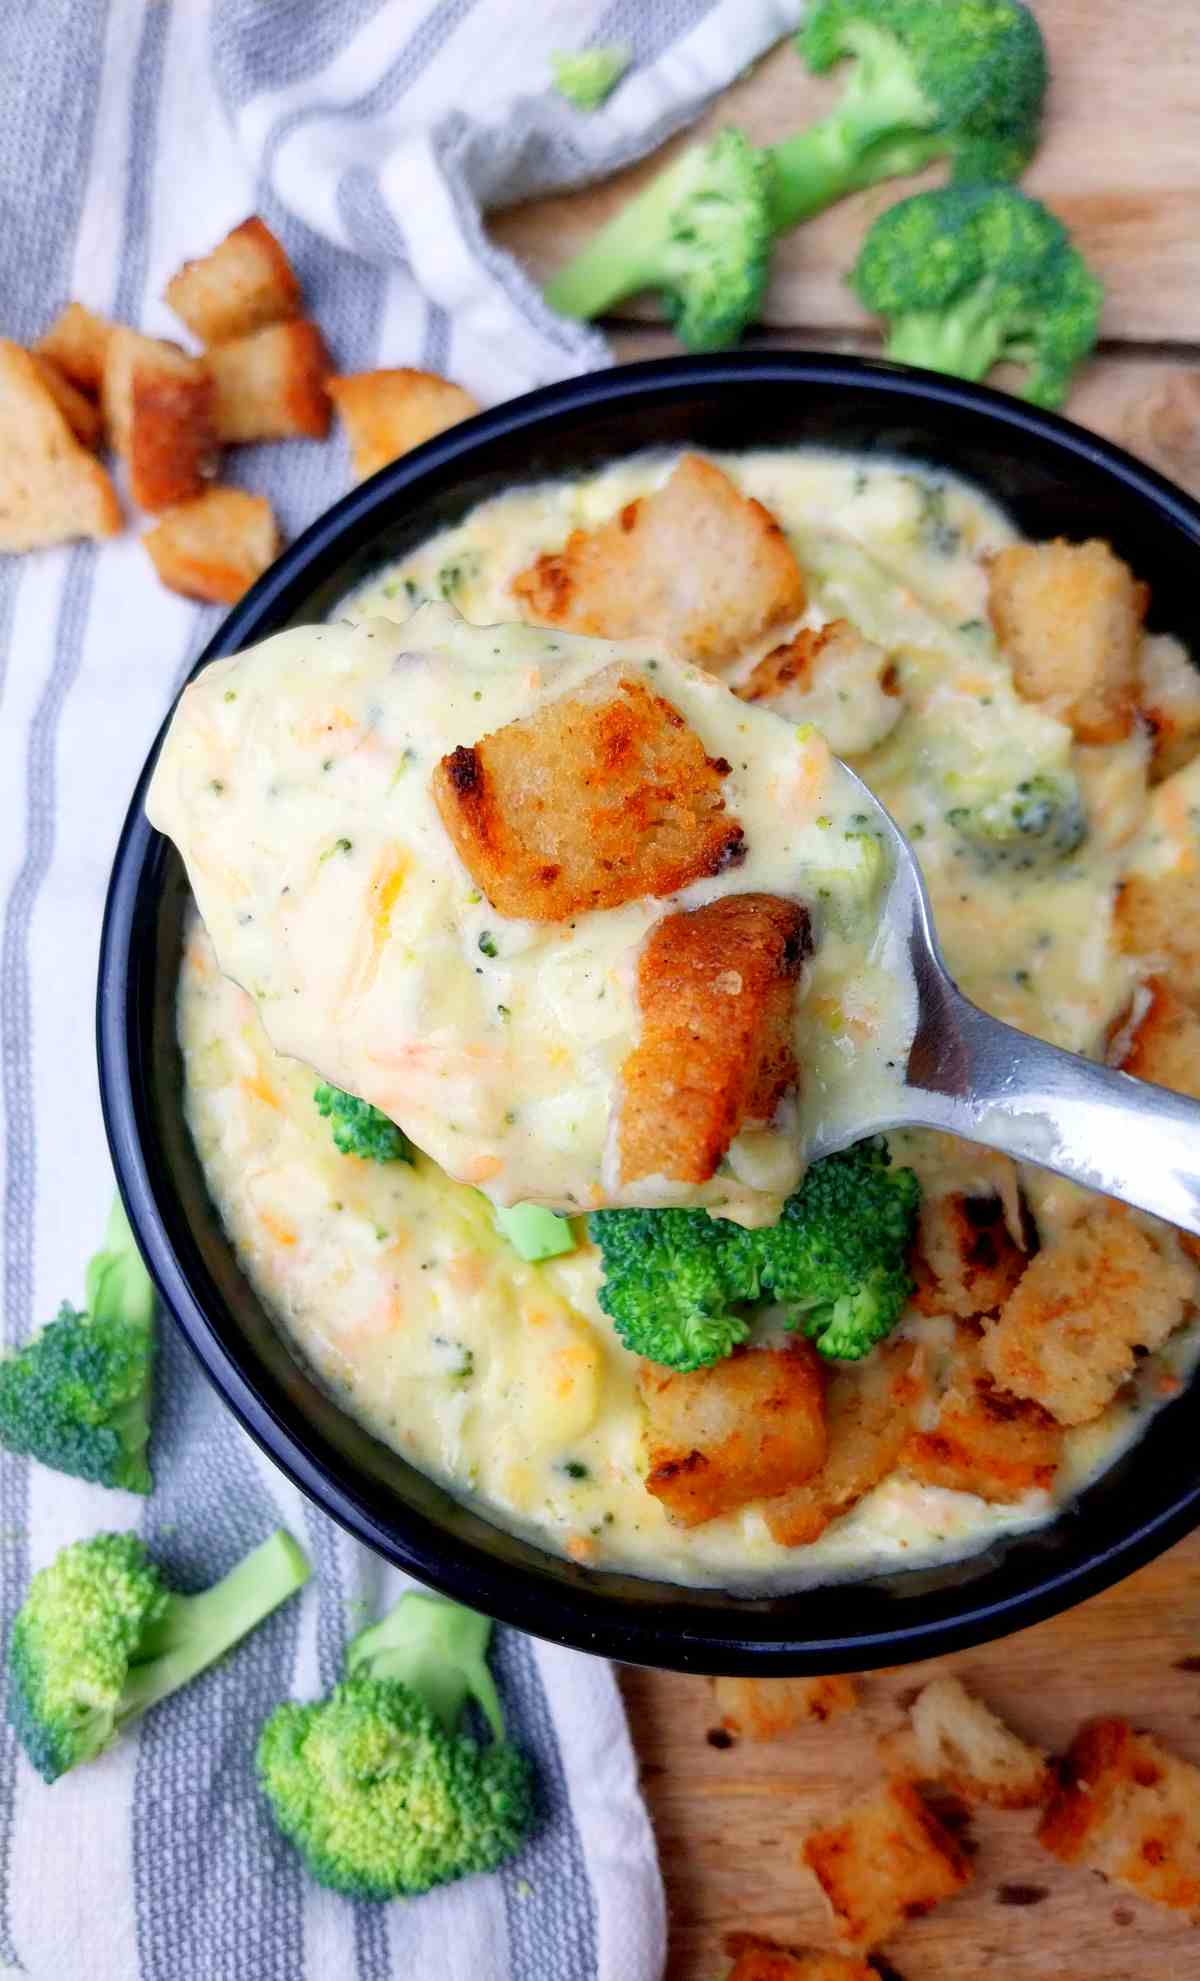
{"type": "Point", "coordinates": [371, 134]}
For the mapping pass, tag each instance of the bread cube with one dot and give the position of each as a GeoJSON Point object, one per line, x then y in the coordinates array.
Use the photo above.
{"type": "Point", "coordinates": [1169, 702]}
{"type": "Point", "coordinates": [888, 1859]}
{"type": "Point", "coordinates": [716, 1052]}
{"type": "Point", "coordinates": [1130, 1809]}
{"type": "Point", "coordinates": [158, 406]}
{"type": "Point", "coordinates": [986, 1440]}
{"type": "Point", "coordinates": [215, 547]}
{"type": "Point", "coordinates": [870, 1409]}
{"type": "Point", "coordinates": [242, 284]}
{"type": "Point", "coordinates": [1069, 617]}
{"type": "Point", "coordinates": [388, 413]}
{"type": "Point", "coordinates": [955, 1740]}
{"type": "Point", "coordinates": [697, 564]}
{"type": "Point", "coordinates": [597, 798]}
{"type": "Point", "coordinates": [967, 1261]}
{"type": "Point", "coordinates": [760, 1960]}
{"type": "Point", "coordinates": [81, 414]}
{"type": "Point", "coordinates": [1163, 1045]}
{"type": "Point", "coordinates": [51, 488]}
{"type": "Point", "coordinates": [740, 1430]}
{"type": "Point", "coordinates": [271, 384]}
{"type": "Point", "coordinates": [768, 1708]}
{"type": "Point", "coordinates": [77, 342]}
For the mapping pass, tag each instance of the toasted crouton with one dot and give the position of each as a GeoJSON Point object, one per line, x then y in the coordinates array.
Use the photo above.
{"type": "Point", "coordinates": [1169, 700]}
{"type": "Point", "coordinates": [271, 384]}
{"type": "Point", "coordinates": [716, 991]}
{"type": "Point", "coordinates": [870, 1408]}
{"type": "Point", "coordinates": [81, 414]}
{"type": "Point", "coordinates": [761, 1960]}
{"type": "Point", "coordinates": [697, 564]}
{"type": "Point", "coordinates": [741, 1430]}
{"type": "Point", "coordinates": [388, 413]}
{"type": "Point", "coordinates": [966, 1261]}
{"type": "Point", "coordinates": [1157, 916]}
{"type": "Point", "coordinates": [1130, 1809]}
{"type": "Point", "coordinates": [957, 1741]}
{"type": "Point", "coordinates": [766, 1708]}
{"type": "Point", "coordinates": [835, 678]}
{"type": "Point", "coordinates": [889, 1859]}
{"type": "Point", "coordinates": [986, 1440]}
{"type": "Point", "coordinates": [244, 283]}
{"type": "Point", "coordinates": [51, 489]}
{"type": "Point", "coordinates": [215, 547]}
{"type": "Point", "coordinates": [76, 342]}
{"type": "Point", "coordinates": [1069, 616]}
{"type": "Point", "coordinates": [1066, 1337]}
{"type": "Point", "coordinates": [600, 797]}
{"type": "Point", "coordinates": [158, 406]}
{"type": "Point", "coordinates": [1163, 1044]}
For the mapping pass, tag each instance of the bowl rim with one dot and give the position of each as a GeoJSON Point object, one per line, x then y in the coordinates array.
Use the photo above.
{"type": "Point", "coordinates": [575, 1614]}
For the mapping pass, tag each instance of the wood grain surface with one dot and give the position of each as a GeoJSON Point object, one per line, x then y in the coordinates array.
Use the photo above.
{"type": "Point", "coordinates": [1121, 164]}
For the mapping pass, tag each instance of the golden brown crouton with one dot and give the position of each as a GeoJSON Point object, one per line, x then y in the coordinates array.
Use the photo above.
{"type": "Point", "coordinates": [158, 406]}
{"type": "Point", "coordinates": [812, 652]}
{"type": "Point", "coordinates": [761, 1960]}
{"type": "Point", "coordinates": [1157, 916]}
{"type": "Point", "coordinates": [51, 489]}
{"type": "Point", "coordinates": [740, 1430]}
{"type": "Point", "coordinates": [1163, 1045]}
{"type": "Point", "coordinates": [81, 414]}
{"type": "Point", "coordinates": [600, 797]}
{"type": "Point", "coordinates": [957, 1741]}
{"type": "Point", "coordinates": [766, 1708]}
{"type": "Point", "coordinates": [889, 1859]}
{"type": "Point", "coordinates": [245, 282]}
{"type": "Point", "coordinates": [1069, 617]}
{"type": "Point", "coordinates": [986, 1440]}
{"type": "Point", "coordinates": [214, 548]}
{"type": "Point", "coordinates": [388, 413]}
{"type": "Point", "coordinates": [697, 564]}
{"type": "Point", "coordinates": [1093, 1295]}
{"type": "Point", "coordinates": [1129, 1808]}
{"type": "Point", "coordinates": [271, 384]}
{"type": "Point", "coordinates": [870, 1408]}
{"type": "Point", "coordinates": [76, 342]}
{"type": "Point", "coordinates": [1169, 701]}
{"type": "Point", "coordinates": [716, 991]}
{"type": "Point", "coordinates": [966, 1261]}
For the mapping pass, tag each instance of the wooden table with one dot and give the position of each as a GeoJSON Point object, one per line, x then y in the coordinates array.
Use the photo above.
{"type": "Point", "coordinates": [1121, 164]}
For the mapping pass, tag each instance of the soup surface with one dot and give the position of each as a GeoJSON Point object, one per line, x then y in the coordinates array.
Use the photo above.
{"type": "Point", "coordinates": [505, 1379]}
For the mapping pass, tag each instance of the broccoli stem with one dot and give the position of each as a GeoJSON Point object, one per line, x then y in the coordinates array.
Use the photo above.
{"type": "Point", "coordinates": [625, 256]}
{"type": "Point", "coordinates": [875, 133]}
{"type": "Point", "coordinates": [438, 1649]}
{"type": "Point", "coordinates": [965, 340]}
{"type": "Point", "coordinates": [194, 1631]}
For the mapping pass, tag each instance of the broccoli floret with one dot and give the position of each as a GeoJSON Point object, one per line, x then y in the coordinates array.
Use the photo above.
{"type": "Point", "coordinates": [957, 79]}
{"type": "Point", "coordinates": [837, 1259]}
{"type": "Point", "coordinates": [699, 234]}
{"type": "Point", "coordinates": [1038, 820]}
{"type": "Point", "coordinates": [677, 1284]}
{"type": "Point", "coordinates": [376, 1785]}
{"type": "Point", "coordinates": [360, 1129]}
{"type": "Point", "coordinates": [77, 1397]}
{"type": "Point", "coordinates": [100, 1638]}
{"type": "Point", "coordinates": [588, 78]}
{"type": "Point", "coordinates": [534, 1232]}
{"type": "Point", "coordinates": [971, 275]}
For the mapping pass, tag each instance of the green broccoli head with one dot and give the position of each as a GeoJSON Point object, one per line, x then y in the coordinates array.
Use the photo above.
{"type": "Point", "coordinates": [360, 1129]}
{"type": "Point", "coordinates": [973, 274]}
{"type": "Point", "coordinates": [838, 1258]}
{"type": "Point", "coordinates": [699, 234]}
{"type": "Point", "coordinates": [1035, 822]}
{"type": "Point", "coordinates": [588, 78]}
{"type": "Point", "coordinates": [672, 1282]}
{"type": "Point", "coordinates": [376, 1785]}
{"type": "Point", "coordinates": [100, 1638]}
{"type": "Point", "coordinates": [678, 1285]}
{"type": "Point", "coordinates": [962, 79]}
{"type": "Point", "coordinates": [77, 1397]}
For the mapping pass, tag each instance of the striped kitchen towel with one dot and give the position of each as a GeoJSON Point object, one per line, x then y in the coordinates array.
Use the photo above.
{"type": "Point", "coordinates": [369, 133]}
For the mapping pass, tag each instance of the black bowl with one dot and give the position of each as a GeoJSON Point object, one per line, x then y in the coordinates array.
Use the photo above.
{"type": "Point", "coordinates": [1053, 479]}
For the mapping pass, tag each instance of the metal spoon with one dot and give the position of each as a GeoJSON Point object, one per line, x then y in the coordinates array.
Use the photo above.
{"type": "Point", "coordinates": [977, 1077]}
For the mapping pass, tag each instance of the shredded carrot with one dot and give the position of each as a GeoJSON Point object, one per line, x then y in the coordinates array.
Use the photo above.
{"type": "Point", "coordinates": [466, 1272]}
{"type": "Point", "coordinates": [281, 1232]}
{"type": "Point", "coordinates": [482, 1169]}
{"type": "Point", "coordinates": [580, 1547]}
{"type": "Point", "coordinates": [259, 1088]}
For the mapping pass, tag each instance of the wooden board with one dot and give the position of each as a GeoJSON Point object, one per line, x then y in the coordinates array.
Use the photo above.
{"type": "Point", "coordinates": [730, 1821]}
{"type": "Point", "coordinates": [1121, 164]}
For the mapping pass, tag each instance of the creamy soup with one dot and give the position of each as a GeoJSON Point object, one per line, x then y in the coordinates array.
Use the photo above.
{"type": "Point", "coordinates": [504, 1379]}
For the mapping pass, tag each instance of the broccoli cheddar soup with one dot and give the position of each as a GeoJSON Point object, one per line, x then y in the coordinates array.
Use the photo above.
{"type": "Point", "coordinates": [546, 854]}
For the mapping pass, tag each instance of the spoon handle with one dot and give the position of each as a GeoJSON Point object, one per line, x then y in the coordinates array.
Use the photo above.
{"type": "Point", "coordinates": [977, 1077]}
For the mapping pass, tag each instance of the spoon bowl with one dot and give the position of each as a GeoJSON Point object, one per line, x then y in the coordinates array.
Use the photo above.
{"type": "Point", "coordinates": [972, 1075]}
